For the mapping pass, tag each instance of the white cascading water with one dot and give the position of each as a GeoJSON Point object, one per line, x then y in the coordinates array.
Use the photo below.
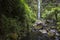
{"type": "Point", "coordinates": [38, 9]}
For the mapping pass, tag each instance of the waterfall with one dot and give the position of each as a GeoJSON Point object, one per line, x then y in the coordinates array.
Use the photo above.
{"type": "Point", "coordinates": [38, 10]}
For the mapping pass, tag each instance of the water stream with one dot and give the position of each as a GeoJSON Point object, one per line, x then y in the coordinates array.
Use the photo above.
{"type": "Point", "coordinates": [38, 9]}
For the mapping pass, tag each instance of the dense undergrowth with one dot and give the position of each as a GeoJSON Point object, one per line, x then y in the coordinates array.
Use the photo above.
{"type": "Point", "coordinates": [17, 17]}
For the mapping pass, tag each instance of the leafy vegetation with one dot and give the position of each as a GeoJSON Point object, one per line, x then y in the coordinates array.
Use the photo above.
{"type": "Point", "coordinates": [18, 16]}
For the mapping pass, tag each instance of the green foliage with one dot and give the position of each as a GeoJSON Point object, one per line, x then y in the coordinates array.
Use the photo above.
{"type": "Point", "coordinates": [17, 17]}
{"type": "Point", "coordinates": [29, 15]}
{"type": "Point", "coordinates": [52, 11]}
{"type": "Point", "coordinates": [10, 24]}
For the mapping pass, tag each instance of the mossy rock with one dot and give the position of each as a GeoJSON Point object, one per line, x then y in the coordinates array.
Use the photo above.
{"type": "Point", "coordinates": [13, 36]}
{"type": "Point", "coordinates": [38, 27]}
{"type": "Point", "coordinates": [51, 34]}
